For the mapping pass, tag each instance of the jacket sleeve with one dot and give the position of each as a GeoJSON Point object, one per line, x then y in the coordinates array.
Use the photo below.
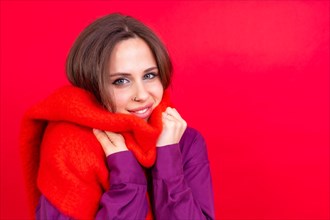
{"type": "Point", "coordinates": [126, 198]}
{"type": "Point", "coordinates": [182, 183]}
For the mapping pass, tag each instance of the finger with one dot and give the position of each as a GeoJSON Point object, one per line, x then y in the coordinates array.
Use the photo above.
{"type": "Point", "coordinates": [168, 117]}
{"type": "Point", "coordinates": [115, 138]}
{"type": "Point", "coordinates": [102, 137]}
{"type": "Point", "coordinates": [172, 119]}
{"type": "Point", "coordinates": [173, 112]}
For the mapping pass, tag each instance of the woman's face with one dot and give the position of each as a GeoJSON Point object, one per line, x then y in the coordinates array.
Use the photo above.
{"type": "Point", "coordinates": [134, 85]}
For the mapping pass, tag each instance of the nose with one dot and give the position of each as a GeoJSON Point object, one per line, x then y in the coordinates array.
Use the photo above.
{"type": "Point", "coordinates": [141, 92]}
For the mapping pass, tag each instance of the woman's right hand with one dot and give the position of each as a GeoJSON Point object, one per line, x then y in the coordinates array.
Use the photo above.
{"type": "Point", "coordinates": [111, 142]}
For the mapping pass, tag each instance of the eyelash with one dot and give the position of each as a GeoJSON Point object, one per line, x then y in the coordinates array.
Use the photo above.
{"type": "Point", "coordinates": [151, 74]}
{"type": "Point", "coordinates": [120, 81]}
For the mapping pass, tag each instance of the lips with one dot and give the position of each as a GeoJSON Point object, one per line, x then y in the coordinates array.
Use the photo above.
{"type": "Point", "coordinates": [142, 112]}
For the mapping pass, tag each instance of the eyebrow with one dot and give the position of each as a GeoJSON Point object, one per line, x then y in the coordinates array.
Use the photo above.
{"type": "Point", "coordinates": [128, 74]}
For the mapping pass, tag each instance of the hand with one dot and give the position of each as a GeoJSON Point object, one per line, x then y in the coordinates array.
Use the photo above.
{"type": "Point", "coordinates": [173, 128]}
{"type": "Point", "coordinates": [110, 142]}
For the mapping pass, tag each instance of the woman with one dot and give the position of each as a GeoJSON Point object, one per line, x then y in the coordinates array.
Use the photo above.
{"type": "Point", "coordinates": [158, 168]}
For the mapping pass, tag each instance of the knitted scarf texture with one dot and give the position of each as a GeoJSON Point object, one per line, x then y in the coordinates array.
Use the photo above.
{"type": "Point", "coordinates": [63, 160]}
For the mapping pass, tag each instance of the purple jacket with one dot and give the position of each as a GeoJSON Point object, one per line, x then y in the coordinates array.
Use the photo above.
{"type": "Point", "coordinates": [179, 183]}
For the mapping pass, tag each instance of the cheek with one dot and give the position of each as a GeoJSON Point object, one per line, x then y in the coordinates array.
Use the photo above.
{"type": "Point", "coordinates": [121, 100]}
{"type": "Point", "coordinates": [158, 91]}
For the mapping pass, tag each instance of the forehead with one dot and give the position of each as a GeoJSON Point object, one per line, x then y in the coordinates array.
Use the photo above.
{"type": "Point", "coordinates": [131, 55]}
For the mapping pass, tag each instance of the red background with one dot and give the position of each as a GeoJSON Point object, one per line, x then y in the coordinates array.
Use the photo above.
{"type": "Point", "coordinates": [252, 76]}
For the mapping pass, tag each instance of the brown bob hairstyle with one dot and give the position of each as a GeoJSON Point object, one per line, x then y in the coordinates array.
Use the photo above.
{"type": "Point", "coordinates": [87, 64]}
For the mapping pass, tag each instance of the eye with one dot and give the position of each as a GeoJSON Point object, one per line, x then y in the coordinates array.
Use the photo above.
{"type": "Point", "coordinates": [120, 81]}
{"type": "Point", "coordinates": [150, 76]}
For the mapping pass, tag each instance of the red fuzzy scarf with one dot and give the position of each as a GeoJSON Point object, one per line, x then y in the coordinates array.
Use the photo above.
{"type": "Point", "coordinates": [63, 160]}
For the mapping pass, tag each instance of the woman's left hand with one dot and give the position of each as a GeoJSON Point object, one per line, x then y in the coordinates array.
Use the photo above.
{"type": "Point", "coordinates": [173, 127]}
